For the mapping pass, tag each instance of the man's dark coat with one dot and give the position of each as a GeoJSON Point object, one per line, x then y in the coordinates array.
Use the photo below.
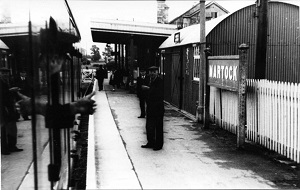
{"type": "Point", "coordinates": [155, 98]}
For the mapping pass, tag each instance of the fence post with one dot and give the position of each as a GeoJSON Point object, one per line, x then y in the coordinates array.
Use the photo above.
{"type": "Point", "coordinates": [243, 70]}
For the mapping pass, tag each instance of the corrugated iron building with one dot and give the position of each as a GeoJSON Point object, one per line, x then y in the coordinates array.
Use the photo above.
{"type": "Point", "coordinates": [283, 44]}
{"type": "Point", "coordinates": [224, 35]}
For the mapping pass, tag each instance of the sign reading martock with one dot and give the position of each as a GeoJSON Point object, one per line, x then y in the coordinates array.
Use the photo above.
{"type": "Point", "coordinates": [223, 72]}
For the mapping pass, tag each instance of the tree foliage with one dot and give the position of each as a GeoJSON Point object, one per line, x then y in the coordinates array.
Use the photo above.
{"type": "Point", "coordinates": [95, 53]}
{"type": "Point", "coordinates": [85, 61]}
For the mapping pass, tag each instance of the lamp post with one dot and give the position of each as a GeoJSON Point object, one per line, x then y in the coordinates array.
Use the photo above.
{"type": "Point", "coordinates": [262, 39]}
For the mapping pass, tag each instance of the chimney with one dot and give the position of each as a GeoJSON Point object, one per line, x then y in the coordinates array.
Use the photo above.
{"type": "Point", "coordinates": [5, 12]}
{"type": "Point", "coordinates": [162, 12]}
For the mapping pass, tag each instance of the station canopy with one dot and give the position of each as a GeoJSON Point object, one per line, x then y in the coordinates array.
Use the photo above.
{"type": "Point", "coordinates": [119, 32]}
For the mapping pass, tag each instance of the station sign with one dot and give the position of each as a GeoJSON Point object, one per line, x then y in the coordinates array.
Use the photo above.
{"type": "Point", "coordinates": [223, 72]}
{"type": "Point", "coordinates": [177, 37]}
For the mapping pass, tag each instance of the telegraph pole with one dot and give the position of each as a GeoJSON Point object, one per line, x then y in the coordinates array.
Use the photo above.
{"type": "Point", "coordinates": [299, 18]}
{"type": "Point", "coordinates": [200, 108]}
{"type": "Point", "coordinates": [206, 90]}
{"type": "Point", "coordinates": [262, 39]}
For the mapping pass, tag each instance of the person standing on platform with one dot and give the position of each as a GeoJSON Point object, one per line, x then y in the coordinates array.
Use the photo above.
{"type": "Point", "coordinates": [112, 79]}
{"type": "Point", "coordinates": [23, 83]}
{"type": "Point", "coordinates": [118, 78]}
{"type": "Point", "coordinates": [155, 110]}
{"type": "Point", "coordinates": [143, 79]}
{"type": "Point", "coordinates": [8, 114]}
{"type": "Point", "coordinates": [101, 74]}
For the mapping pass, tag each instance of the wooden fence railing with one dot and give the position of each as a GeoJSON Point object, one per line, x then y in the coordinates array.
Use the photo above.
{"type": "Point", "coordinates": [273, 115]}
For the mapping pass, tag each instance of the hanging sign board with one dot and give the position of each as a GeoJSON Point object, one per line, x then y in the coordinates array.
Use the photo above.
{"type": "Point", "coordinates": [223, 72]}
{"type": "Point", "coordinates": [177, 37]}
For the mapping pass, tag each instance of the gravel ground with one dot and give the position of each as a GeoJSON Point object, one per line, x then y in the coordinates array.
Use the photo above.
{"type": "Point", "coordinates": [78, 179]}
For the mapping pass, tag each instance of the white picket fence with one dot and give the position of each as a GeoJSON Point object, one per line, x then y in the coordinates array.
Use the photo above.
{"type": "Point", "coordinates": [273, 114]}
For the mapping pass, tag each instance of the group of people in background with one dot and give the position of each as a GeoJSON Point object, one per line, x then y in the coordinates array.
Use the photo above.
{"type": "Point", "coordinates": [118, 78]}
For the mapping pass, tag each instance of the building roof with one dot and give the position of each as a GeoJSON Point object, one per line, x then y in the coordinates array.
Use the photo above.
{"type": "Point", "coordinates": [132, 27]}
{"type": "Point", "coordinates": [19, 29]}
{"type": "Point", "coordinates": [118, 31]}
{"type": "Point", "coordinates": [213, 2]}
{"type": "Point", "coordinates": [185, 33]}
{"type": "Point", "coordinates": [187, 38]}
{"type": "Point", "coordinates": [3, 45]}
{"type": "Point", "coordinates": [207, 5]}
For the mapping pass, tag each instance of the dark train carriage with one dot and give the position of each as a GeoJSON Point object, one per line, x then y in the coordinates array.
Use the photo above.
{"type": "Point", "coordinates": [37, 47]}
{"type": "Point", "coordinates": [223, 35]}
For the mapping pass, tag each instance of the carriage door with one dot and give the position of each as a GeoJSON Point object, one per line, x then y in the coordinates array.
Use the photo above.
{"type": "Point", "coordinates": [176, 81]}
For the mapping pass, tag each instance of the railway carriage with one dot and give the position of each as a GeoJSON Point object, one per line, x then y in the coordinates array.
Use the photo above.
{"type": "Point", "coordinates": [53, 139]}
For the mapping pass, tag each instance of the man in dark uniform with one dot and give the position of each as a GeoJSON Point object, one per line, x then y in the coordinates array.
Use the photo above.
{"type": "Point", "coordinates": [155, 110]}
{"type": "Point", "coordinates": [23, 83]}
{"type": "Point", "coordinates": [101, 74]}
{"type": "Point", "coordinates": [143, 79]}
{"type": "Point", "coordinates": [8, 114]}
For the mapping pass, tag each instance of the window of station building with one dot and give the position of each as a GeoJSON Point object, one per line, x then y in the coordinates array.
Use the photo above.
{"type": "Point", "coordinates": [194, 20]}
{"type": "Point", "coordinates": [162, 61]}
{"type": "Point", "coordinates": [186, 22]}
{"type": "Point", "coordinates": [196, 66]}
{"type": "Point", "coordinates": [214, 14]}
{"type": "Point", "coordinates": [3, 59]}
{"type": "Point", "coordinates": [179, 24]}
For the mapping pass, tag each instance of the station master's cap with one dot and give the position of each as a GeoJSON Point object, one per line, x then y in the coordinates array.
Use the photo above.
{"type": "Point", "coordinates": [153, 68]}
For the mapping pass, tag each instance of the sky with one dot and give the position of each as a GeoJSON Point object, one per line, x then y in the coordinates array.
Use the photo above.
{"type": "Point", "coordinates": [84, 10]}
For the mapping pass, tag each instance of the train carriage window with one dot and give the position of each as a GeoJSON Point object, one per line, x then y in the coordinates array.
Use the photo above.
{"type": "Point", "coordinates": [44, 148]}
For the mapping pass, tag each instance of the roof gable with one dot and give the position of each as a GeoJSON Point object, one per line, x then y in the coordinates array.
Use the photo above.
{"type": "Point", "coordinates": [216, 4]}
{"type": "Point", "coordinates": [185, 14]}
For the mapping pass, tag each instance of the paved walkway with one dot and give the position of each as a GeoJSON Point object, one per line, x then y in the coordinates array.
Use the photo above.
{"type": "Point", "coordinates": [192, 158]}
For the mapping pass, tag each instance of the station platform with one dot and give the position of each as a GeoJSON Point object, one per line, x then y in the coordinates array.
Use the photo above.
{"type": "Point", "coordinates": [192, 158]}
